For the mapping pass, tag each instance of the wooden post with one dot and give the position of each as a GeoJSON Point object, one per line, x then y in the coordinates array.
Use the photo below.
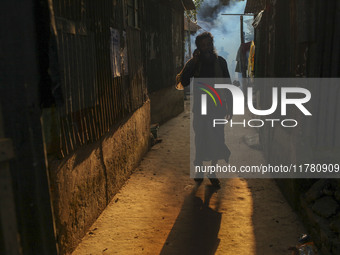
{"type": "Point", "coordinates": [241, 28]}
{"type": "Point", "coordinates": [19, 98]}
{"type": "Point", "coordinates": [9, 241]}
{"type": "Point", "coordinates": [189, 37]}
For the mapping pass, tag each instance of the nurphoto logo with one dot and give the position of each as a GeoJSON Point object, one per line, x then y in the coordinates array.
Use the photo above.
{"type": "Point", "coordinates": [302, 96]}
{"type": "Point", "coordinates": [204, 97]}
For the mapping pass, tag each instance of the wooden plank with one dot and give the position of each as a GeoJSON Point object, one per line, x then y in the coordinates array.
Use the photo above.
{"type": "Point", "coordinates": [6, 149]}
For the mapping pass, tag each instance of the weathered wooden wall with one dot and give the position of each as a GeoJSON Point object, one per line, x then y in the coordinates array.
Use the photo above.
{"type": "Point", "coordinates": [95, 99]}
{"type": "Point", "coordinates": [301, 39]}
{"type": "Point", "coordinates": [164, 52]}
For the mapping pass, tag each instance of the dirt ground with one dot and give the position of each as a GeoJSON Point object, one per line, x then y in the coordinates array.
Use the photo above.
{"type": "Point", "coordinates": [161, 211]}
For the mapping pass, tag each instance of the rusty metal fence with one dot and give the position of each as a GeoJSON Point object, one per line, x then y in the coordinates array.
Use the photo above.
{"type": "Point", "coordinates": [100, 64]}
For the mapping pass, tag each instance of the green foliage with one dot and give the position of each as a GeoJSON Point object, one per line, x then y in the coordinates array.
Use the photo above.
{"type": "Point", "coordinates": [192, 14]}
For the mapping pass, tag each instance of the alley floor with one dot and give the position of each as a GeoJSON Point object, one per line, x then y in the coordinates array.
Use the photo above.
{"type": "Point", "coordinates": [161, 211]}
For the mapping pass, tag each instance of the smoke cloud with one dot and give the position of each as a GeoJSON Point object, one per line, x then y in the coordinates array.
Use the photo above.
{"type": "Point", "coordinates": [225, 29]}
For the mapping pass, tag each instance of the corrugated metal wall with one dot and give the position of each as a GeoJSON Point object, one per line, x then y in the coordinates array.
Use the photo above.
{"type": "Point", "coordinates": [164, 37]}
{"type": "Point", "coordinates": [302, 39]}
{"type": "Point", "coordinates": [96, 96]}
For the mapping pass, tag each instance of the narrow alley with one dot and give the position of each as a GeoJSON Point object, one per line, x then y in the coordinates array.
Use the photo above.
{"type": "Point", "coordinates": [86, 85]}
{"type": "Point", "coordinates": [160, 211]}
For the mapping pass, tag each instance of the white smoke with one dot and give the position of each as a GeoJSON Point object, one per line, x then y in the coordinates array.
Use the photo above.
{"type": "Point", "coordinates": [225, 29]}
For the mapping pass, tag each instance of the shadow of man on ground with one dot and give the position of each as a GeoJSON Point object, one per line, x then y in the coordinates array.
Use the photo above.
{"type": "Point", "coordinates": [196, 228]}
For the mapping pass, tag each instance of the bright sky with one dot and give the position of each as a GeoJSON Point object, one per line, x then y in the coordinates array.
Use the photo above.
{"type": "Point", "coordinates": [225, 29]}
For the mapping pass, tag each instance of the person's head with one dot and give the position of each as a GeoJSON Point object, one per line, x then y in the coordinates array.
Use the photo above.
{"type": "Point", "coordinates": [205, 43]}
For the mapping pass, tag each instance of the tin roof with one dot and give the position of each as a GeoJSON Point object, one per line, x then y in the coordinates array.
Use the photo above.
{"type": "Point", "coordinates": [254, 6]}
{"type": "Point", "coordinates": [188, 4]}
{"type": "Point", "coordinates": [192, 25]}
